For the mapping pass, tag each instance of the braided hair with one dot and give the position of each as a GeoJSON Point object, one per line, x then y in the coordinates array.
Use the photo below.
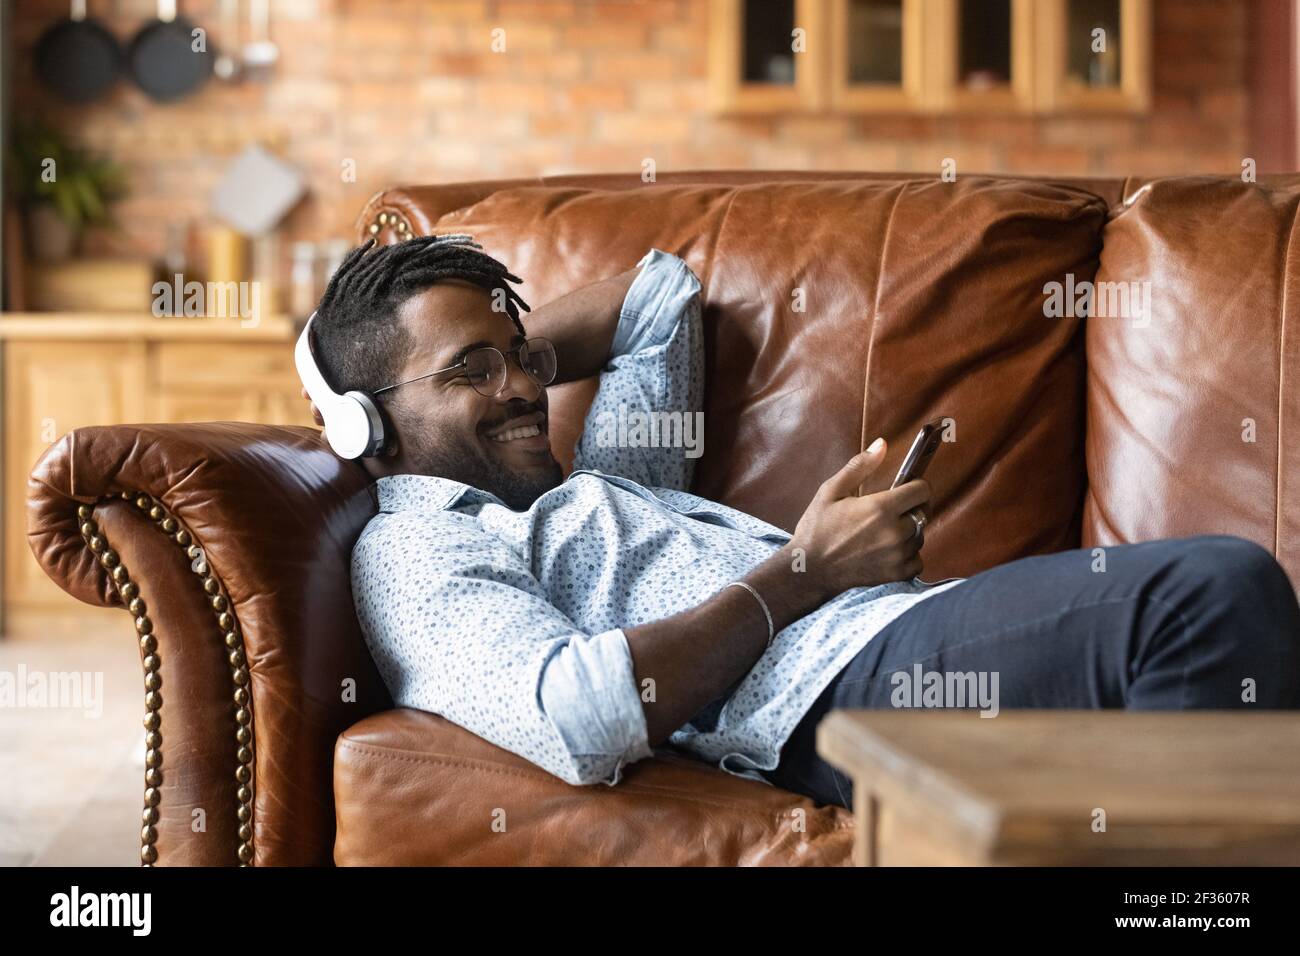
{"type": "Point", "coordinates": [360, 343]}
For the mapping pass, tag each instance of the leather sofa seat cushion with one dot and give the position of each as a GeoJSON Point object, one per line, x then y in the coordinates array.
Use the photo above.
{"type": "Point", "coordinates": [1190, 407]}
{"type": "Point", "coordinates": [414, 789]}
{"type": "Point", "coordinates": [839, 311]}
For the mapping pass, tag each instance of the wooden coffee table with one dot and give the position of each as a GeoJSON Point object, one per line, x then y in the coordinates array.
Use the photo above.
{"type": "Point", "coordinates": [1059, 787]}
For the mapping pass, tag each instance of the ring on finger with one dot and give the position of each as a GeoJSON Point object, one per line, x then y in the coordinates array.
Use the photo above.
{"type": "Point", "coordinates": [919, 519]}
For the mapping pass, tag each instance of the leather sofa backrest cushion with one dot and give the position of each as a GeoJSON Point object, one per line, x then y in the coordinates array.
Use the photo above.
{"type": "Point", "coordinates": [839, 311]}
{"type": "Point", "coordinates": [421, 206]}
{"type": "Point", "coordinates": [1190, 405]}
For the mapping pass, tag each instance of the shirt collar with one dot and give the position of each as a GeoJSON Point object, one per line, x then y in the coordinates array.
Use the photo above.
{"type": "Point", "coordinates": [425, 493]}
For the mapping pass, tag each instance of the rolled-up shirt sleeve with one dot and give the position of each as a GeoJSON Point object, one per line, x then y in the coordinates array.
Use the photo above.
{"type": "Point", "coordinates": [458, 626]}
{"type": "Point", "coordinates": [589, 694]}
{"type": "Point", "coordinates": [646, 422]}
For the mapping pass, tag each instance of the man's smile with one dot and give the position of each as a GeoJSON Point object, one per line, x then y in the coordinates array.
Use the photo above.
{"type": "Point", "coordinates": [523, 432]}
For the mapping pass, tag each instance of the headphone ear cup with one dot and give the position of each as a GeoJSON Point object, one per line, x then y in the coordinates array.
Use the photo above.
{"type": "Point", "coordinates": [353, 426]}
{"type": "Point", "coordinates": [377, 433]}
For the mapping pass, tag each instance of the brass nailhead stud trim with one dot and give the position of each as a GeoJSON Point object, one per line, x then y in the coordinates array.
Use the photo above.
{"type": "Point", "coordinates": [129, 592]}
{"type": "Point", "coordinates": [226, 622]}
{"type": "Point", "coordinates": [399, 225]}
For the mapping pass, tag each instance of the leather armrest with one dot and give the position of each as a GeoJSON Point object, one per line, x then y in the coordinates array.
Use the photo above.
{"type": "Point", "coordinates": [229, 544]}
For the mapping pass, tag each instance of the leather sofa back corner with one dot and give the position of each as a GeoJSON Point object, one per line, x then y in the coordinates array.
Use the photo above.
{"type": "Point", "coordinates": [1194, 361]}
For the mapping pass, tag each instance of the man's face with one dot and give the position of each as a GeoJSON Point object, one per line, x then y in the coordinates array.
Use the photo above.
{"type": "Point", "coordinates": [444, 427]}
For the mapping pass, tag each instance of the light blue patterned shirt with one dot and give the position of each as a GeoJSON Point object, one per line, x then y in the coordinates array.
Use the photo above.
{"type": "Point", "coordinates": [511, 623]}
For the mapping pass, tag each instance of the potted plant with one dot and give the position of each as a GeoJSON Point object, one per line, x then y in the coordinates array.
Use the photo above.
{"type": "Point", "coordinates": [61, 188]}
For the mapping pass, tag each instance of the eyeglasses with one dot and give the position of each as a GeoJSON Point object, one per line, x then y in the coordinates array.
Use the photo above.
{"type": "Point", "coordinates": [485, 368]}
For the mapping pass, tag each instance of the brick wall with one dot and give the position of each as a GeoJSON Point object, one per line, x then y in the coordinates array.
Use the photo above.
{"type": "Point", "coordinates": [411, 91]}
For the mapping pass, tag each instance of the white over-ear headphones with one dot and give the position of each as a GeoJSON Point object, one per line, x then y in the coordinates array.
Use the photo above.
{"type": "Point", "coordinates": [353, 425]}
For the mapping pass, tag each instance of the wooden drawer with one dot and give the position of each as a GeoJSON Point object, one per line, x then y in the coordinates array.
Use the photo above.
{"type": "Point", "coordinates": [51, 388]}
{"type": "Point", "coordinates": [190, 364]}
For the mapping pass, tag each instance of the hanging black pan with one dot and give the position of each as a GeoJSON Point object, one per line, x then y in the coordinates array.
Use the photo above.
{"type": "Point", "coordinates": [163, 58]}
{"type": "Point", "coordinates": [77, 58]}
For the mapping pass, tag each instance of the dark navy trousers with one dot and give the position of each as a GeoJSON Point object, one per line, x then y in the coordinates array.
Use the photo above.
{"type": "Point", "coordinates": [1205, 622]}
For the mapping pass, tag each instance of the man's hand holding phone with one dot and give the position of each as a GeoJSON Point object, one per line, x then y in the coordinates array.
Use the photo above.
{"type": "Point", "coordinates": [861, 541]}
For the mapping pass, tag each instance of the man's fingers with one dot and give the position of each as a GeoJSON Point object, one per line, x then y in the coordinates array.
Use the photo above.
{"type": "Point", "coordinates": [908, 534]}
{"type": "Point", "coordinates": [845, 482]}
{"type": "Point", "coordinates": [904, 498]}
{"type": "Point", "coordinates": [315, 412]}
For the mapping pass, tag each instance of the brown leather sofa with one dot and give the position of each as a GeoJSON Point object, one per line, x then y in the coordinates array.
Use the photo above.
{"type": "Point", "coordinates": [838, 307]}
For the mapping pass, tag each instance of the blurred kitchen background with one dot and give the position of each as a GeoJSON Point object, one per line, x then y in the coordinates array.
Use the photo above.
{"type": "Point", "coordinates": [235, 141]}
{"type": "Point", "coordinates": [412, 91]}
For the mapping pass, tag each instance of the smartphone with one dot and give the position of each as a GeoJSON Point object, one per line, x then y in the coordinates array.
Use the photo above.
{"type": "Point", "coordinates": [918, 456]}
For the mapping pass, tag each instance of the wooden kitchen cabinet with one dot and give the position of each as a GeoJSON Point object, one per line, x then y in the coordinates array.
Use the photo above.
{"type": "Point", "coordinates": [1093, 55]}
{"type": "Point", "coordinates": [981, 55]}
{"type": "Point", "coordinates": [50, 389]}
{"type": "Point", "coordinates": [65, 372]}
{"type": "Point", "coordinates": [1003, 57]}
{"type": "Point", "coordinates": [241, 383]}
{"type": "Point", "coordinates": [765, 56]}
{"type": "Point", "coordinates": [877, 56]}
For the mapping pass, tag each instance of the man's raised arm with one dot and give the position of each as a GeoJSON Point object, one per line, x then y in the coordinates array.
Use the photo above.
{"type": "Point", "coordinates": [581, 325]}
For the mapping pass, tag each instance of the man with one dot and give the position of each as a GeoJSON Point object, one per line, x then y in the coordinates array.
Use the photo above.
{"type": "Point", "coordinates": [581, 622]}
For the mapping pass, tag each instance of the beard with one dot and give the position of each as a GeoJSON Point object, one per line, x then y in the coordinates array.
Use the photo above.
{"type": "Point", "coordinates": [464, 459]}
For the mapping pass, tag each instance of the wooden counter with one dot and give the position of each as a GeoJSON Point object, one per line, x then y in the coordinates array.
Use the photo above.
{"type": "Point", "coordinates": [65, 370]}
{"type": "Point", "coordinates": [101, 327]}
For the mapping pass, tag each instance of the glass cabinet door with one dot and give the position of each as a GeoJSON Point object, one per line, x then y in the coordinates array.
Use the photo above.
{"type": "Point", "coordinates": [984, 54]}
{"type": "Point", "coordinates": [877, 54]}
{"type": "Point", "coordinates": [1095, 55]}
{"type": "Point", "coordinates": [1092, 43]}
{"type": "Point", "coordinates": [767, 42]}
{"type": "Point", "coordinates": [764, 55]}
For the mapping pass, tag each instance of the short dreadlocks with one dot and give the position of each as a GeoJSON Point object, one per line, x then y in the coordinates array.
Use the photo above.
{"type": "Point", "coordinates": [359, 343]}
